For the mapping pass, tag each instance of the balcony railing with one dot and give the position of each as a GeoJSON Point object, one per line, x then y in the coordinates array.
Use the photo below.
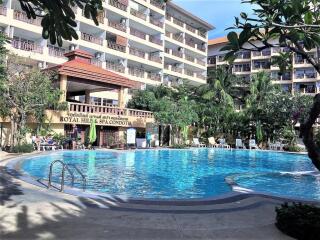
{"type": "Point", "coordinates": [155, 58]}
{"type": "Point", "coordinates": [154, 76]}
{"type": "Point", "coordinates": [199, 75]}
{"type": "Point", "coordinates": [176, 69]}
{"type": "Point", "coordinates": [90, 38]}
{"type": "Point", "coordinates": [190, 44]}
{"type": "Point", "coordinates": [157, 4]}
{"type": "Point", "coordinates": [177, 54]}
{"type": "Point", "coordinates": [138, 14]}
{"type": "Point", "coordinates": [177, 22]}
{"type": "Point", "coordinates": [100, 16]}
{"type": "Point", "coordinates": [138, 33]}
{"type": "Point", "coordinates": [117, 25]}
{"type": "Point", "coordinates": [190, 58]}
{"type": "Point", "coordinates": [116, 67]}
{"type": "Point", "coordinates": [156, 40]}
{"type": "Point", "coordinates": [3, 11]}
{"type": "Point", "coordinates": [200, 62]}
{"type": "Point", "coordinates": [178, 37]}
{"type": "Point", "coordinates": [26, 46]}
{"type": "Point", "coordinates": [56, 52]}
{"type": "Point", "coordinates": [21, 16]}
{"type": "Point", "coordinates": [118, 5]}
{"type": "Point", "coordinates": [137, 52]}
{"type": "Point", "coordinates": [156, 22]}
{"type": "Point", "coordinates": [137, 72]}
{"type": "Point", "coordinates": [125, 112]}
{"type": "Point", "coordinates": [189, 72]}
{"type": "Point", "coordinates": [190, 28]}
{"type": "Point", "coordinates": [115, 46]}
{"type": "Point", "coordinates": [202, 34]}
{"type": "Point", "coordinates": [96, 62]}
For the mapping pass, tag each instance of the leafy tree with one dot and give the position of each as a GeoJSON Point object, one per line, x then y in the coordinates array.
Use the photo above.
{"type": "Point", "coordinates": [293, 24]}
{"type": "Point", "coordinates": [58, 17]}
{"type": "Point", "coordinates": [25, 92]}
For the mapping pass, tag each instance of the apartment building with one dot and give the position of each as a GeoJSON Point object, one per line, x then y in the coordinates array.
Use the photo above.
{"type": "Point", "coordinates": [303, 78]}
{"type": "Point", "coordinates": [147, 41]}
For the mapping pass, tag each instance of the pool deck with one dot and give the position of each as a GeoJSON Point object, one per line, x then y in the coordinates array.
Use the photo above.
{"type": "Point", "coordinates": [32, 212]}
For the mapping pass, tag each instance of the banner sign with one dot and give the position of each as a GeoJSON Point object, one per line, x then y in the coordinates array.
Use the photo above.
{"type": "Point", "coordinates": [131, 136]}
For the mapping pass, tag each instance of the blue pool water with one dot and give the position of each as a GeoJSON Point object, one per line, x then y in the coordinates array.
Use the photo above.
{"type": "Point", "coordinates": [184, 174]}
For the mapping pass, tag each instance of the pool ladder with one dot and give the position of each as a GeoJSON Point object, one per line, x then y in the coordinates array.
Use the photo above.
{"type": "Point", "coordinates": [66, 167]}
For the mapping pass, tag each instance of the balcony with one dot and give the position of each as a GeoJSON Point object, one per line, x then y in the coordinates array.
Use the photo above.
{"type": "Point", "coordinates": [3, 11]}
{"type": "Point", "coordinates": [156, 22]}
{"type": "Point", "coordinates": [307, 75]}
{"type": "Point", "coordinates": [178, 37]}
{"type": "Point", "coordinates": [118, 5]}
{"type": "Point", "coordinates": [136, 72]}
{"type": "Point", "coordinates": [26, 46]}
{"type": "Point", "coordinates": [176, 69]}
{"type": "Point", "coordinates": [96, 62]}
{"type": "Point", "coordinates": [137, 52]}
{"type": "Point", "coordinates": [124, 112]}
{"type": "Point", "coordinates": [21, 16]}
{"type": "Point", "coordinates": [116, 47]}
{"type": "Point", "coordinates": [116, 67]}
{"type": "Point", "coordinates": [100, 16]}
{"type": "Point", "coordinates": [190, 28]}
{"type": "Point", "coordinates": [90, 38]}
{"type": "Point", "coordinates": [177, 53]}
{"type": "Point", "coordinates": [177, 22]}
{"type": "Point", "coordinates": [190, 58]}
{"type": "Point", "coordinates": [138, 14]}
{"type": "Point", "coordinates": [189, 72]}
{"type": "Point", "coordinates": [199, 75]}
{"type": "Point", "coordinates": [117, 25]}
{"type": "Point", "coordinates": [190, 44]}
{"type": "Point", "coordinates": [154, 76]}
{"type": "Point", "coordinates": [155, 58]}
{"type": "Point", "coordinates": [138, 33]}
{"type": "Point", "coordinates": [200, 62]}
{"type": "Point", "coordinates": [156, 40]}
{"type": "Point", "coordinates": [157, 4]}
{"type": "Point", "coordinates": [56, 51]}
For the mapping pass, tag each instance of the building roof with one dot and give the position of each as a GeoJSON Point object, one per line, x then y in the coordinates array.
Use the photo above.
{"type": "Point", "coordinates": [79, 66]}
{"type": "Point", "coordinates": [183, 11]}
{"type": "Point", "coordinates": [219, 40]}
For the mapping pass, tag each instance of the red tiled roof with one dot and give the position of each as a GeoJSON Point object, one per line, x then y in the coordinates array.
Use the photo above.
{"type": "Point", "coordinates": [218, 41]}
{"type": "Point", "coordinates": [80, 67]}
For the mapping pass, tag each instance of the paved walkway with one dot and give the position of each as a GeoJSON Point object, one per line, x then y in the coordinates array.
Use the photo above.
{"type": "Point", "coordinates": [31, 212]}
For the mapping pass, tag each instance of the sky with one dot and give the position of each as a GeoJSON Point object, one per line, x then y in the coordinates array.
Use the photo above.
{"type": "Point", "coordinates": [219, 13]}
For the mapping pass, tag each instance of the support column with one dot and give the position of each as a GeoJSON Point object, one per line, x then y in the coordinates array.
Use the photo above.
{"type": "Point", "coordinates": [63, 88]}
{"type": "Point", "coordinates": [122, 97]}
{"type": "Point", "coordinates": [87, 97]}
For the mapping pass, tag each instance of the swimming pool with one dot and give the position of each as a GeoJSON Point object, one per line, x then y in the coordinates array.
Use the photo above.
{"type": "Point", "coordinates": [184, 174]}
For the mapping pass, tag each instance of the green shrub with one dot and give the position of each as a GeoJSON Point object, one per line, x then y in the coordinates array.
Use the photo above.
{"type": "Point", "coordinates": [23, 148]}
{"type": "Point", "coordinates": [299, 221]}
{"type": "Point", "coordinates": [179, 146]}
{"type": "Point", "coordinates": [293, 148]}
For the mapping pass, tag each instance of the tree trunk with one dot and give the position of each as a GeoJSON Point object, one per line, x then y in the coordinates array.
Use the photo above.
{"type": "Point", "coordinates": [306, 131]}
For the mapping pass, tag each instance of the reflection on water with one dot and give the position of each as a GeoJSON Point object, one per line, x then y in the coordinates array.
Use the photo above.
{"type": "Point", "coordinates": [184, 174]}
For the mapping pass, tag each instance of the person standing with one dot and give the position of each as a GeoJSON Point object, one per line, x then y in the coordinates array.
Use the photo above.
{"type": "Point", "coordinates": [148, 138]}
{"type": "Point", "coordinates": [74, 136]}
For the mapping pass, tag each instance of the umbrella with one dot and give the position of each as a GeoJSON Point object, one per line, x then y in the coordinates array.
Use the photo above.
{"type": "Point", "coordinates": [93, 132]}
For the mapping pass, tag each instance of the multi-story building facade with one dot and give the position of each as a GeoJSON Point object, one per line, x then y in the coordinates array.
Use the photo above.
{"type": "Point", "coordinates": [146, 40]}
{"type": "Point", "coordinates": [303, 78]}
{"type": "Point", "coordinates": [137, 43]}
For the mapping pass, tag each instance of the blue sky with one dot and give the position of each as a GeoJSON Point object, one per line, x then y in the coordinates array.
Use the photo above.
{"type": "Point", "coordinates": [219, 13]}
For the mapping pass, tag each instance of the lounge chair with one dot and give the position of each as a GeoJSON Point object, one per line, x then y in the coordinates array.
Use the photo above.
{"type": "Point", "coordinates": [223, 144]}
{"type": "Point", "coordinates": [196, 143]}
{"type": "Point", "coordinates": [239, 144]}
{"type": "Point", "coordinates": [252, 144]}
{"type": "Point", "coordinates": [212, 142]}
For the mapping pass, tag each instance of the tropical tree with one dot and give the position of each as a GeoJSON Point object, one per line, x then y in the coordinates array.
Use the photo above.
{"type": "Point", "coordinates": [293, 24]}
{"type": "Point", "coordinates": [25, 92]}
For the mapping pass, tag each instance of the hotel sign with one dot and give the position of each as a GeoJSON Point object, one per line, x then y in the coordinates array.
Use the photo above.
{"type": "Point", "coordinates": [101, 120]}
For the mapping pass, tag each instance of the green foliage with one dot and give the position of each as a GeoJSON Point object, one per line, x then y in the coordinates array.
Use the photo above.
{"type": "Point", "coordinates": [293, 148]}
{"type": "Point", "coordinates": [23, 148]}
{"type": "Point", "coordinates": [143, 100]}
{"type": "Point", "coordinates": [58, 17]}
{"type": "Point", "coordinates": [29, 92]}
{"type": "Point", "coordinates": [179, 146]}
{"type": "Point", "coordinates": [299, 221]}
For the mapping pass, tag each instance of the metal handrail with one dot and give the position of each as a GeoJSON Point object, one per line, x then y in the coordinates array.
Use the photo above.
{"type": "Point", "coordinates": [64, 168]}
